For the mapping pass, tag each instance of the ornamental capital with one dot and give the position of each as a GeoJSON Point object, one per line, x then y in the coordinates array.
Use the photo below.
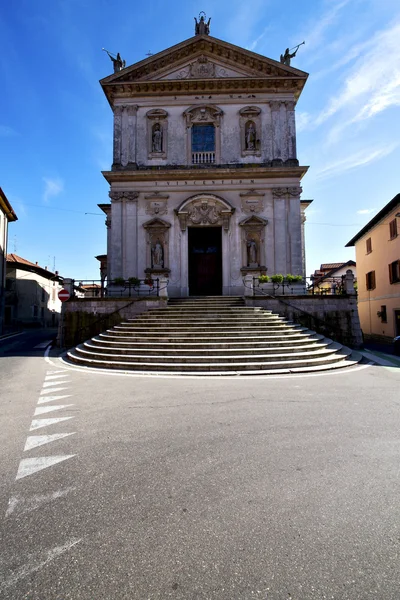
{"type": "Point", "coordinates": [123, 195]}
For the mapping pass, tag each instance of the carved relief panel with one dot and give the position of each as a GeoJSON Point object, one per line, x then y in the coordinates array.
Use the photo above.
{"type": "Point", "coordinates": [250, 131]}
{"type": "Point", "coordinates": [156, 204]}
{"type": "Point", "coordinates": [157, 246]}
{"type": "Point", "coordinates": [252, 202]}
{"type": "Point", "coordinates": [157, 130]}
{"type": "Point", "coordinates": [204, 210]}
{"type": "Point", "coordinates": [253, 243]}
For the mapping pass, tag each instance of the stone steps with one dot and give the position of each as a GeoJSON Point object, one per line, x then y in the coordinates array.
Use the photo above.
{"type": "Point", "coordinates": [210, 336]}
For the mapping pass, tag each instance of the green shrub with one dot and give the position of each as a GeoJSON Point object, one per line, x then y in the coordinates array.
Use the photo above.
{"type": "Point", "coordinates": [134, 281]}
{"type": "Point", "coordinates": [294, 278]}
{"type": "Point", "coordinates": [277, 278]}
{"type": "Point", "coordinates": [263, 279]}
{"type": "Point", "coordinates": [119, 281]}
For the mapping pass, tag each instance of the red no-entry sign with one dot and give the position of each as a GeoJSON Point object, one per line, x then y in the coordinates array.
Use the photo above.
{"type": "Point", "coordinates": [63, 295]}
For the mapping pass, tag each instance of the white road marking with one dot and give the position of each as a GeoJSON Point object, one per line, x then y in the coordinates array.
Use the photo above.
{"type": "Point", "coordinates": [41, 410]}
{"type": "Point", "coordinates": [33, 441]}
{"type": "Point", "coordinates": [51, 398]}
{"type": "Point", "coordinates": [51, 377]}
{"type": "Point", "coordinates": [55, 372]}
{"type": "Point", "coordinates": [52, 390]}
{"type": "Point", "coordinates": [43, 344]}
{"type": "Point", "coordinates": [28, 466]}
{"type": "Point", "coordinates": [21, 504]}
{"type": "Point", "coordinates": [38, 423]}
{"type": "Point", "coordinates": [48, 384]}
{"type": "Point", "coordinates": [36, 565]}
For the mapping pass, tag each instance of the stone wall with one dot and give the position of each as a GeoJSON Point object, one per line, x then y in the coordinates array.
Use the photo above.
{"type": "Point", "coordinates": [86, 317]}
{"type": "Point", "coordinates": [335, 317]}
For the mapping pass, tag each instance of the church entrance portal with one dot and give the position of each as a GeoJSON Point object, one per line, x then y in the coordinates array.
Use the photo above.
{"type": "Point", "coordinates": [205, 261]}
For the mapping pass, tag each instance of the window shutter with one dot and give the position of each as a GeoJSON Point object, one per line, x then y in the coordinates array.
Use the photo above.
{"type": "Point", "coordinates": [390, 273]}
{"type": "Point", "coordinates": [373, 280]}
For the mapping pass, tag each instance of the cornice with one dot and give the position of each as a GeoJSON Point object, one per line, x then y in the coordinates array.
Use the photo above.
{"type": "Point", "coordinates": [184, 87]}
{"type": "Point", "coordinates": [203, 174]}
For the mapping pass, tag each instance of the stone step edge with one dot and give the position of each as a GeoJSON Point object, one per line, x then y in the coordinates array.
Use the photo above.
{"type": "Point", "coordinates": [283, 351]}
{"type": "Point", "coordinates": [346, 363]}
{"type": "Point", "coordinates": [322, 353]}
{"type": "Point", "coordinates": [292, 364]}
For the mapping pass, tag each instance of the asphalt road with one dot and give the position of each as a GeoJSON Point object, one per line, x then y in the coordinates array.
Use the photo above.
{"type": "Point", "coordinates": [156, 488]}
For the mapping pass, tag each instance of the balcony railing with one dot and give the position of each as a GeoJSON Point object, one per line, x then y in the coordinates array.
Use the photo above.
{"type": "Point", "coordinates": [203, 158]}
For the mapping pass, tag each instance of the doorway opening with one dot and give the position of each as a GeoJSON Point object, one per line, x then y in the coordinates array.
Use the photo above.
{"type": "Point", "coordinates": [205, 261]}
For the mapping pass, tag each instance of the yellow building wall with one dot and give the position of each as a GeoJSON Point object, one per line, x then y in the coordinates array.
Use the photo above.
{"type": "Point", "coordinates": [384, 251]}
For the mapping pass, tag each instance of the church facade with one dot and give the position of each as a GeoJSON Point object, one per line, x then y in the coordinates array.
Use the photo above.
{"type": "Point", "coordinates": [205, 181]}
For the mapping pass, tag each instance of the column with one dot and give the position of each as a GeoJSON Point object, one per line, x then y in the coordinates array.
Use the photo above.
{"type": "Point", "coordinates": [280, 230]}
{"type": "Point", "coordinates": [116, 236]}
{"type": "Point", "coordinates": [130, 245]}
{"type": "Point", "coordinates": [303, 247]}
{"type": "Point", "coordinates": [276, 129]}
{"type": "Point", "coordinates": [117, 135]}
{"type": "Point", "coordinates": [128, 135]}
{"type": "Point", "coordinates": [295, 257]}
{"type": "Point", "coordinates": [291, 129]}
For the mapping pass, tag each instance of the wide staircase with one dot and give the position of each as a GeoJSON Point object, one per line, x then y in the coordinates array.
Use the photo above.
{"type": "Point", "coordinates": [211, 336]}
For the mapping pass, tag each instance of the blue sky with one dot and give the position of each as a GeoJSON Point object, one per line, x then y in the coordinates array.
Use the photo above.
{"type": "Point", "coordinates": [56, 125]}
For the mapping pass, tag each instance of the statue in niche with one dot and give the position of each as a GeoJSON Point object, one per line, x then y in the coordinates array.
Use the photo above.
{"type": "Point", "coordinates": [157, 254]}
{"type": "Point", "coordinates": [252, 253]}
{"type": "Point", "coordinates": [156, 141]}
{"type": "Point", "coordinates": [250, 136]}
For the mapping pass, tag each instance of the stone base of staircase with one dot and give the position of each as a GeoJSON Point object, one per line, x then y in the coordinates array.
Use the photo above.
{"type": "Point", "coordinates": [211, 336]}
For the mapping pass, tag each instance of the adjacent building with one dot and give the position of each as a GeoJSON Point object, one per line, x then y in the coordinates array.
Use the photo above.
{"type": "Point", "coordinates": [31, 294]}
{"type": "Point", "coordinates": [377, 248]}
{"type": "Point", "coordinates": [7, 215]}
{"type": "Point", "coordinates": [329, 277]}
{"type": "Point", "coordinates": [205, 181]}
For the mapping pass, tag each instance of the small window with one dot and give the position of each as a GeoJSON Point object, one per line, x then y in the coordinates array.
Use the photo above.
{"type": "Point", "coordinates": [394, 271]}
{"type": "Point", "coordinates": [368, 244]}
{"type": "Point", "coordinates": [382, 314]}
{"type": "Point", "coordinates": [393, 229]}
{"type": "Point", "coordinates": [42, 312]}
{"type": "Point", "coordinates": [43, 295]}
{"type": "Point", "coordinates": [370, 280]}
{"type": "Point", "coordinates": [35, 311]}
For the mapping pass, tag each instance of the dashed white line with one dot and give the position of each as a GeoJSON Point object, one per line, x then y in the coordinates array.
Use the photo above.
{"type": "Point", "coordinates": [36, 565]}
{"type": "Point", "coordinates": [46, 399]}
{"type": "Point", "coordinates": [47, 384]}
{"type": "Point", "coordinates": [41, 410]}
{"type": "Point", "coordinates": [28, 466]}
{"type": "Point", "coordinates": [22, 504]}
{"type": "Point", "coordinates": [53, 390]}
{"type": "Point", "coordinates": [33, 441]}
{"type": "Point", "coordinates": [39, 423]}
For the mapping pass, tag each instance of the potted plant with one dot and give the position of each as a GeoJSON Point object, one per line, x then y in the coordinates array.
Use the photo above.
{"type": "Point", "coordinates": [293, 278]}
{"type": "Point", "coordinates": [119, 281]}
{"type": "Point", "coordinates": [263, 279]}
{"type": "Point", "coordinates": [134, 281]}
{"type": "Point", "coordinates": [277, 279]}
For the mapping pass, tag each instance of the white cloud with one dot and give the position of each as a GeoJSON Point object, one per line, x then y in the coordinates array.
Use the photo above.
{"type": "Point", "coordinates": [314, 33]}
{"type": "Point", "coordinates": [373, 84]}
{"type": "Point", "coordinates": [302, 121]}
{"type": "Point", "coordinates": [6, 131]}
{"type": "Point", "coordinates": [366, 211]}
{"type": "Point", "coordinates": [53, 187]}
{"type": "Point", "coordinates": [358, 159]}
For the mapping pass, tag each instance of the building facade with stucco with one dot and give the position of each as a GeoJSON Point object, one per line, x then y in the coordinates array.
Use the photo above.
{"type": "Point", "coordinates": [205, 184]}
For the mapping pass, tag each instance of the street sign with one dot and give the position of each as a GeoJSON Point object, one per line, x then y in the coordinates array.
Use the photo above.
{"type": "Point", "coordinates": [63, 295]}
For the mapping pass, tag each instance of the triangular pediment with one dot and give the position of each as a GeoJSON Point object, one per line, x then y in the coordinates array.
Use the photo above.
{"type": "Point", "coordinates": [203, 57]}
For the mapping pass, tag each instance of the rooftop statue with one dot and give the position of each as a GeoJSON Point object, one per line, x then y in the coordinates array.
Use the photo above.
{"type": "Point", "coordinates": [285, 58]}
{"type": "Point", "coordinates": [117, 61]}
{"type": "Point", "coordinates": [201, 27]}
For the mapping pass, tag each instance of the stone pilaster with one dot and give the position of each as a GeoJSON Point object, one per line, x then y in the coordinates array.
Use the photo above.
{"type": "Point", "coordinates": [291, 129]}
{"type": "Point", "coordinates": [303, 247]}
{"type": "Point", "coordinates": [277, 138]}
{"type": "Point", "coordinates": [280, 230]}
{"type": "Point", "coordinates": [118, 110]}
{"type": "Point", "coordinates": [128, 134]}
{"type": "Point", "coordinates": [123, 235]}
